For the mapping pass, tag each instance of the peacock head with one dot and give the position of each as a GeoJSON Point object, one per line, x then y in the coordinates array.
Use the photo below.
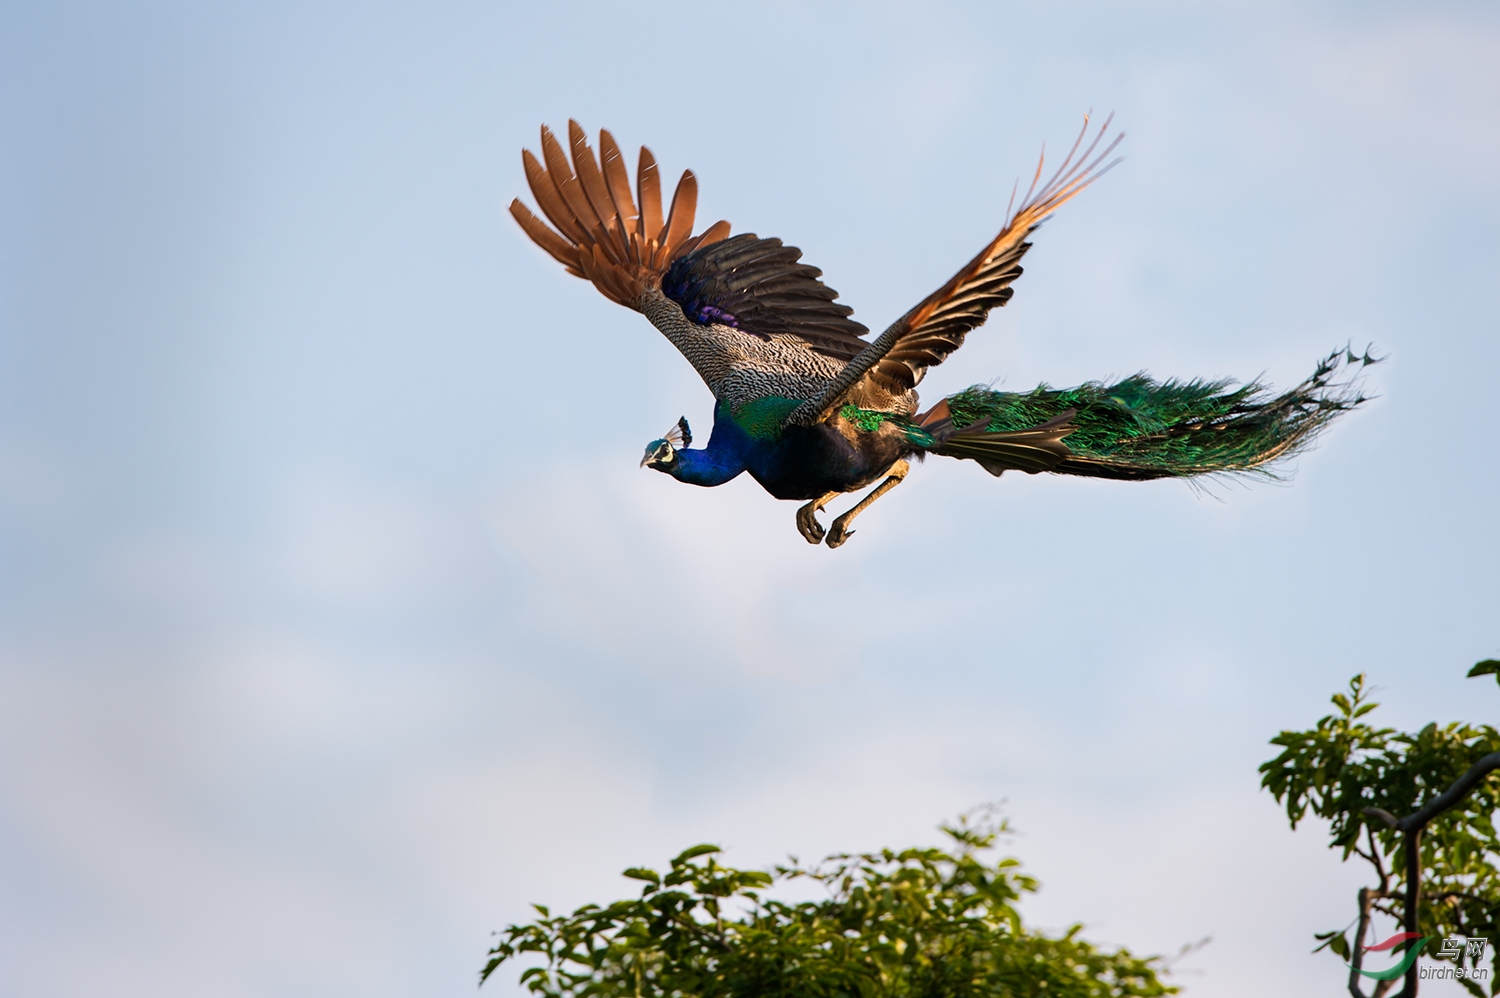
{"type": "Point", "coordinates": [662, 454]}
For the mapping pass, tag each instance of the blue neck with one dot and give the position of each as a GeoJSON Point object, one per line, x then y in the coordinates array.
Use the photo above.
{"type": "Point", "coordinates": [704, 467]}
{"type": "Point", "coordinates": [721, 460]}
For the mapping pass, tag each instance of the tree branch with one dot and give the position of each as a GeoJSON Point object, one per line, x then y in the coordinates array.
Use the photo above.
{"type": "Point", "coordinates": [1385, 883]}
{"type": "Point", "coordinates": [1451, 796]}
{"type": "Point", "coordinates": [1450, 895]}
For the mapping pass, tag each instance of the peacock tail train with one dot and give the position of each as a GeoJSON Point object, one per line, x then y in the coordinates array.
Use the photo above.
{"type": "Point", "coordinates": [1139, 428]}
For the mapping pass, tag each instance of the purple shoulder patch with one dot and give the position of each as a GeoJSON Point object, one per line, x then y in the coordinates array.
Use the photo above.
{"type": "Point", "coordinates": [705, 314]}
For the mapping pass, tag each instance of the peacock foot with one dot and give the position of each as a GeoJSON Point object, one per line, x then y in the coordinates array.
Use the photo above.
{"type": "Point", "coordinates": [807, 521]}
{"type": "Point", "coordinates": [838, 530]}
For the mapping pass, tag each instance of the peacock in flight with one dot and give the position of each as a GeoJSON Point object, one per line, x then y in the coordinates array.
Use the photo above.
{"type": "Point", "coordinates": [812, 409]}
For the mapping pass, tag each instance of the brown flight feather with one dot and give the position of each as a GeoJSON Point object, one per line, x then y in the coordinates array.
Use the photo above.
{"type": "Point", "coordinates": [547, 198]}
{"type": "Point", "coordinates": [680, 217]}
{"type": "Point", "coordinates": [590, 178]}
{"type": "Point", "coordinates": [886, 371]}
{"type": "Point", "coordinates": [601, 234]}
{"type": "Point", "coordinates": [648, 190]}
{"type": "Point", "coordinates": [566, 183]}
{"type": "Point", "coordinates": [618, 179]}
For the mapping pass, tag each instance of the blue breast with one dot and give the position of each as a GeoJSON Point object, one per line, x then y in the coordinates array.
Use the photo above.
{"type": "Point", "coordinates": [803, 462]}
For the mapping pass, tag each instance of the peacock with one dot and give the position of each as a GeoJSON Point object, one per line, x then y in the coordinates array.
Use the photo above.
{"type": "Point", "coordinates": [813, 409]}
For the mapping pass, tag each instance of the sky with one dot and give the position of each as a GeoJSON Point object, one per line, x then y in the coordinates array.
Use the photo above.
{"type": "Point", "coordinates": [338, 623]}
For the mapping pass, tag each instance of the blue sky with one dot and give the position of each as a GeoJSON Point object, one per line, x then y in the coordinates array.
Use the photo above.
{"type": "Point", "coordinates": [338, 623]}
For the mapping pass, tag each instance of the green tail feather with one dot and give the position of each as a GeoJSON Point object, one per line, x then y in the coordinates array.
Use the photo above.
{"type": "Point", "coordinates": [1139, 428]}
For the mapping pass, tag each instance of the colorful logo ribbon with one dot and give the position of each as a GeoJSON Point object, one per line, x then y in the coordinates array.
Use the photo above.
{"type": "Point", "coordinates": [1406, 961]}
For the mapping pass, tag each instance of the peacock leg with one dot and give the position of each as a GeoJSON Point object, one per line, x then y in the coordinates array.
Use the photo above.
{"type": "Point", "coordinates": [838, 531]}
{"type": "Point", "coordinates": [807, 519]}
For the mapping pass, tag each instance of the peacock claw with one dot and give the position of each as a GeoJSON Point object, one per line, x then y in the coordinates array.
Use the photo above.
{"type": "Point", "coordinates": [839, 532]}
{"type": "Point", "coordinates": [807, 522]}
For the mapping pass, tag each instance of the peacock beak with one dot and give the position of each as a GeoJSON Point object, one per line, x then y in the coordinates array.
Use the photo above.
{"type": "Point", "coordinates": [657, 449]}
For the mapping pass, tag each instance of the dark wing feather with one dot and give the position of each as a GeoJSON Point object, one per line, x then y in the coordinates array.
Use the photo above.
{"type": "Point", "coordinates": [895, 362]}
{"type": "Point", "coordinates": [601, 234]}
{"type": "Point", "coordinates": [757, 286]}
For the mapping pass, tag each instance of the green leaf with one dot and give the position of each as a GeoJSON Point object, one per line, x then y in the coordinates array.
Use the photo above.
{"type": "Point", "coordinates": [1489, 667]}
{"type": "Point", "coordinates": [1335, 941]}
{"type": "Point", "coordinates": [641, 873]}
{"type": "Point", "coordinates": [694, 852]}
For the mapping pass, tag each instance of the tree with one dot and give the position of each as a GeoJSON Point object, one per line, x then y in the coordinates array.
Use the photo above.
{"type": "Point", "coordinates": [1435, 866]}
{"type": "Point", "coordinates": [920, 923]}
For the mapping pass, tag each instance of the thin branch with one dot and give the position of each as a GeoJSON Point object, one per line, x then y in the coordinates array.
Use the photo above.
{"type": "Point", "coordinates": [1451, 895]}
{"type": "Point", "coordinates": [1385, 881]}
{"type": "Point", "coordinates": [1452, 795]}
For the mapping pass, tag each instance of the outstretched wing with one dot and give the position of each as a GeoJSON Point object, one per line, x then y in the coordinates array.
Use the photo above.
{"type": "Point", "coordinates": [740, 310]}
{"type": "Point", "coordinates": [601, 235]}
{"type": "Point", "coordinates": [886, 371]}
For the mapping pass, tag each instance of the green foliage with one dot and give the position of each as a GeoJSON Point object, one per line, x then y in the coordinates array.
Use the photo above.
{"type": "Point", "coordinates": [920, 923]}
{"type": "Point", "coordinates": [1344, 765]}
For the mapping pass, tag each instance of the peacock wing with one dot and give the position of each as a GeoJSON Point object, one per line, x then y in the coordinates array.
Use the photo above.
{"type": "Point", "coordinates": [751, 318]}
{"type": "Point", "coordinates": [758, 287]}
{"type": "Point", "coordinates": [883, 374]}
